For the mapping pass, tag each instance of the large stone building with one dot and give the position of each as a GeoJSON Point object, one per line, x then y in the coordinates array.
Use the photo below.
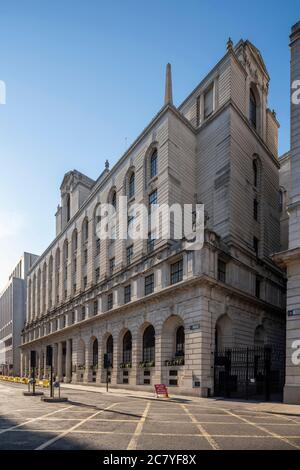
{"type": "Point", "coordinates": [290, 258]}
{"type": "Point", "coordinates": [12, 316]}
{"type": "Point", "coordinates": [159, 309]}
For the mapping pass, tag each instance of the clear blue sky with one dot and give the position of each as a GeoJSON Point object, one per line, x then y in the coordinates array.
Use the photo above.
{"type": "Point", "coordinates": [82, 76]}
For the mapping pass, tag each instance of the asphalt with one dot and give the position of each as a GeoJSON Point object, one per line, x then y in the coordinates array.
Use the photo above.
{"type": "Point", "coordinates": [125, 421]}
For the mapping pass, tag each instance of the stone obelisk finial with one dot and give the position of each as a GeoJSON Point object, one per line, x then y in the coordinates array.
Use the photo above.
{"type": "Point", "coordinates": [168, 91]}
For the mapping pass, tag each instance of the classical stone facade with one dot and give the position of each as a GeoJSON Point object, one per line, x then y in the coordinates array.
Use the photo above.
{"type": "Point", "coordinates": [290, 258]}
{"type": "Point", "coordinates": [159, 309]}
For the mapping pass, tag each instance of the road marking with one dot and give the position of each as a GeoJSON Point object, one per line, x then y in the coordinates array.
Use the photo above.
{"type": "Point", "coordinates": [138, 430]}
{"type": "Point", "coordinates": [63, 434]}
{"type": "Point", "coordinates": [196, 435]}
{"type": "Point", "coordinates": [203, 431]}
{"type": "Point", "coordinates": [31, 420]}
{"type": "Point", "coordinates": [262, 428]}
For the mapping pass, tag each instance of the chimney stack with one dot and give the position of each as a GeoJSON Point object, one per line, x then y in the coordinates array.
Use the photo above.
{"type": "Point", "coordinates": [168, 91]}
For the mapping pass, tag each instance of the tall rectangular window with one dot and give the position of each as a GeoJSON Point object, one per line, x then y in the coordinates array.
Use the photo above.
{"type": "Point", "coordinates": [151, 242]}
{"type": "Point", "coordinates": [83, 313]}
{"type": "Point", "coordinates": [112, 265]}
{"type": "Point", "coordinates": [95, 307]}
{"type": "Point", "coordinates": [97, 274]}
{"type": "Point", "coordinates": [152, 199]}
{"type": "Point", "coordinates": [153, 164]}
{"type": "Point", "coordinates": [97, 246]}
{"type": "Point", "coordinates": [177, 272]}
{"type": "Point", "coordinates": [129, 254]}
{"type": "Point", "coordinates": [256, 245]}
{"type": "Point", "coordinates": [149, 284]}
{"type": "Point", "coordinates": [257, 287]}
{"type": "Point", "coordinates": [255, 209]}
{"type": "Point", "coordinates": [208, 102]}
{"type": "Point", "coordinates": [221, 271]}
{"type": "Point", "coordinates": [127, 294]}
{"type": "Point", "coordinates": [110, 301]}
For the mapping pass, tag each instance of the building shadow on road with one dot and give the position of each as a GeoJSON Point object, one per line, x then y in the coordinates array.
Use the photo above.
{"type": "Point", "coordinates": [13, 438]}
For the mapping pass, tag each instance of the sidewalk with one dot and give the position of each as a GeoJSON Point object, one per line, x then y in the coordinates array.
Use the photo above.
{"type": "Point", "coordinates": [265, 407]}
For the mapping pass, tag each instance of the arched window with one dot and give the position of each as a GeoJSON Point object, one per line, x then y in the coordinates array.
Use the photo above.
{"type": "Point", "coordinates": [66, 251]}
{"type": "Point", "coordinates": [281, 199]}
{"type": "Point", "coordinates": [85, 231]}
{"type": "Point", "coordinates": [127, 347]}
{"type": "Point", "coordinates": [180, 339]}
{"type": "Point", "coordinates": [223, 333]}
{"type": "Point", "coordinates": [131, 185]}
{"type": "Point", "coordinates": [149, 344]}
{"type": "Point", "coordinates": [95, 353]}
{"type": "Point", "coordinates": [153, 164]}
{"type": "Point", "coordinates": [259, 336]}
{"type": "Point", "coordinates": [255, 173]}
{"type": "Point", "coordinates": [110, 349]}
{"type": "Point", "coordinates": [74, 241]}
{"type": "Point", "coordinates": [68, 207]}
{"type": "Point", "coordinates": [253, 109]}
{"type": "Point", "coordinates": [114, 199]}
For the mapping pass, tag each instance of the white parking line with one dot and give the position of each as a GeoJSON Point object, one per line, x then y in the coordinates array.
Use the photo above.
{"type": "Point", "coordinates": [262, 428]}
{"type": "Point", "coordinates": [31, 420]}
{"type": "Point", "coordinates": [203, 431]}
{"type": "Point", "coordinates": [63, 434]}
{"type": "Point", "coordinates": [134, 440]}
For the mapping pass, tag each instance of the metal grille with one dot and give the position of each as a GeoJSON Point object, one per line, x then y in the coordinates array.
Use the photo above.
{"type": "Point", "coordinates": [256, 373]}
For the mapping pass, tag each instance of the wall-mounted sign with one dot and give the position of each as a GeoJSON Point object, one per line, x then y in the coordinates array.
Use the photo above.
{"type": "Point", "coordinates": [293, 313]}
{"type": "Point", "coordinates": [196, 326]}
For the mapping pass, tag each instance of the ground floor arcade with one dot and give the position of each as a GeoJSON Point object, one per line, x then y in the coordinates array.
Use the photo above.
{"type": "Point", "coordinates": [168, 340]}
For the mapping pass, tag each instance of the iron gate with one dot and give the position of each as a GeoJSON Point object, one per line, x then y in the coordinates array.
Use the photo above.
{"type": "Point", "coordinates": [256, 373]}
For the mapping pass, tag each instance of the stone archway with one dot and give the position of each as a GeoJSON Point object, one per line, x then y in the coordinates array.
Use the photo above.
{"type": "Point", "coordinates": [173, 350]}
{"type": "Point", "coordinates": [223, 333]}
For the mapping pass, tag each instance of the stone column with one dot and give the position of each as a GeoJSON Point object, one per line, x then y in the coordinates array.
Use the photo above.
{"type": "Point", "coordinates": [133, 373]}
{"type": "Point", "coordinates": [75, 372]}
{"type": "Point", "coordinates": [69, 360]}
{"type": "Point", "coordinates": [22, 364]}
{"type": "Point", "coordinates": [45, 362]}
{"type": "Point", "coordinates": [59, 361]}
{"type": "Point", "coordinates": [25, 363]}
{"type": "Point", "coordinates": [87, 372]}
{"type": "Point", "coordinates": [54, 358]}
{"type": "Point", "coordinates": [38, 365]}
{"type": "Point", "coordinates": [156, 374]}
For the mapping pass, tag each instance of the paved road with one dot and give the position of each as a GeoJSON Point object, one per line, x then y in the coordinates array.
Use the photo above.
{"type": "Point", "coordinates": [103, 421]}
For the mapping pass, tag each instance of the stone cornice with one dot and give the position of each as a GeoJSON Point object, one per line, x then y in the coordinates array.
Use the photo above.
{"type": "Point", "coordinates": [286, 257]}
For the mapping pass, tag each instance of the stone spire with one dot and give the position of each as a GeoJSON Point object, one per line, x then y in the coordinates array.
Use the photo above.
{"type": "Point", "coordinates": [229, 45]}
{"type": "Point", "coordinates": [168, 91]}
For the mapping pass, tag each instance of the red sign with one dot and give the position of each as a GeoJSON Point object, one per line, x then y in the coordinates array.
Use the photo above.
{"type": "Point", "coordinates": [161, 389]}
